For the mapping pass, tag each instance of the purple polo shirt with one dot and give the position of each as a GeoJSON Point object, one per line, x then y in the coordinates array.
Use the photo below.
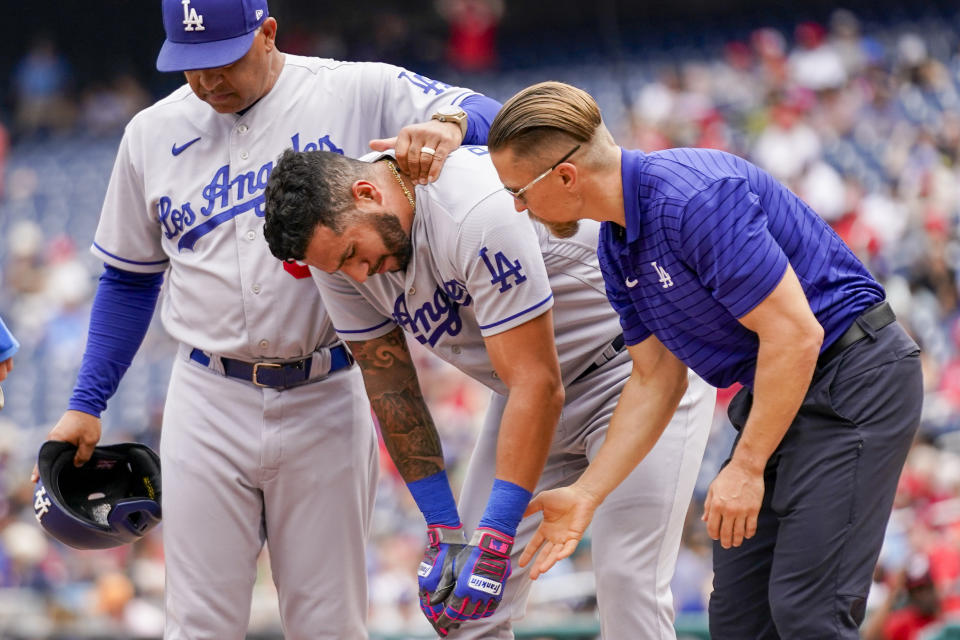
{"type": "Point", "coordinates": [708, 238]}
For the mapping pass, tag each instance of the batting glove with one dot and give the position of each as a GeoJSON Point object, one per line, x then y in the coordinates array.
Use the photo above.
{"type": "Point", "coordinates": [435, 575]}
{"type": "Point", "coordinates": [483, 569]}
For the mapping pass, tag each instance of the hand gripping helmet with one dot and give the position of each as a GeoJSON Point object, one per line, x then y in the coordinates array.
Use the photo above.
{"type": "Point", "coordinates": [111, 500]}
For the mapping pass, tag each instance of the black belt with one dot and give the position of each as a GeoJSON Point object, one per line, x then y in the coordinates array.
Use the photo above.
{"type": "Point", "coordinates": [278, 375]}
{"type": "Point", "coordinates": [615, 347]}
{"type": "Point", "coordinates": [876, 317]}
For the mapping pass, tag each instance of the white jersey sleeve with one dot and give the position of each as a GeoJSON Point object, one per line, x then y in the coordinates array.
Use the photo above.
{"type": "Point", "coordinates": [127, 236]}
{"type": "Point", "coordinates": [395, 97]}
{"type": "Point", "coordinates": [498, 252]}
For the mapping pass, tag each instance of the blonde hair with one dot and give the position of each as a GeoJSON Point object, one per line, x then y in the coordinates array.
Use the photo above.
{"type": "Point", "coordinates": [542, 115]}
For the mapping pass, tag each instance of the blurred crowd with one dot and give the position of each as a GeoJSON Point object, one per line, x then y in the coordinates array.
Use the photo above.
{"type": "Point", "coordinates": [48, 95]}
{"type": "Point", "coordinates": [861, 120]}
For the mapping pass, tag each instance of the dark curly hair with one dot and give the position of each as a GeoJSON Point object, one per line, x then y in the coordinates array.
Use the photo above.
{"type": "Point", "coordinates": [307, 189]}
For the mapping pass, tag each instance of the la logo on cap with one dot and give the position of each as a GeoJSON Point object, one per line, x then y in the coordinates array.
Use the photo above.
{"type": "Point", "coordinates": [191, 20]}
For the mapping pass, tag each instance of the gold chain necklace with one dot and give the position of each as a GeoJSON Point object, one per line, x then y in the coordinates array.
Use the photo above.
{"type": "Point", "coordinates": [410, 198]}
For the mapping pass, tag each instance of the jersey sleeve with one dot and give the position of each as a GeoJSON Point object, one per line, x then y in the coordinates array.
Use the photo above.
{"type": "Point", "coordinates": [395, 97]}
{"type": "Point", "coordinates": [128, 237]}
{"type": "Point", "coordinates": [481, 111]}
{"type": "Point", "coordinates": [353, 316]}
{"type": "Point", "coordinates": [498, 253]}
{"type": "Point", "coordinates": [724, 237]}
{"type": "Point", "coordinates": [634, 330]}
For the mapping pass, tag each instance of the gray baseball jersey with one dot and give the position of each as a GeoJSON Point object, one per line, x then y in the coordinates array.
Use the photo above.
{"type": "Point", "coordinates": [187, 192]}
{"type": "Point", "coordinates": [251, 464]}
{"type": "Point", "coordinates": [479, 268]}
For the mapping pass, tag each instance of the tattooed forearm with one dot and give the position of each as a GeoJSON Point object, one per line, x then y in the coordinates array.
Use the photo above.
{"type": "Point", "coordinates": [394, 391]}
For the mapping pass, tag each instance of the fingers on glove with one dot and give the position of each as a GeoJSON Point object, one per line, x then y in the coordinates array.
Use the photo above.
{"type": "Point", "coordinates": [444, 625]}
{"type": "Point", "coordinates": [436, 577]}
{"type": "Point", "coordinates": [448, 580]}
{"type": "Point", "coordinates": [461, 609]}
{"type": "Point", "coordinates": [441, 589]}
{"type": "Point", "coordinates": [432, 613]}
{"type": "Point", "coordinates": [442, 547]}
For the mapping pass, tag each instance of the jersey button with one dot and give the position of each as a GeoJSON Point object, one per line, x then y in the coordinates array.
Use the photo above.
{"type": "Point", "coordinates": [264, 344]}
{"type": "Point", "coordinates": [456, 349]}
{"type": "Point", "coordinates": [244, 155]}
{"type": "Point", "coordinates": [251, 235]}
{"type": "Point", "coordinates": [412, 291]}
{"type": "Point", "coordinates": [243, 128]}
{"type": "Point", "coordinates": [255, 288]}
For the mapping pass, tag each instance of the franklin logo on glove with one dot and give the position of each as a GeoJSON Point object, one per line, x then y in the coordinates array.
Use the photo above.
{"type": "Point", "coordinates": [481, 583]}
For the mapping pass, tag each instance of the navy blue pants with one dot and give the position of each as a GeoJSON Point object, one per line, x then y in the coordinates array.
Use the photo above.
{"type": "Point", "coordinates": [829, 489]}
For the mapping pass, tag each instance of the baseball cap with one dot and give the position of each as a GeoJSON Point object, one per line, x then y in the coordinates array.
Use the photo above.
{"type": "Point", "coordinates": [202, 34]}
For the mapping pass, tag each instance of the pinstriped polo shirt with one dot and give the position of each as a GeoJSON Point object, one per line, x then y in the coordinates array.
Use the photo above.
{"type": "Point", "coordinates": [708, 237]}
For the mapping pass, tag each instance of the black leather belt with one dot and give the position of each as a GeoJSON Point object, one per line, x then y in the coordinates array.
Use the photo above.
{"type": "Point", "coordinates": [876, 317]}
{"type": "Point", "coordinates": [612, 349]}
{"type": "Point", "coordinates": [277, 375]}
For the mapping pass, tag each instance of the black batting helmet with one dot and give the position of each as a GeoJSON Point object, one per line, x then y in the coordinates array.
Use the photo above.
{"type": "Point", "coordinates": [111, 500]}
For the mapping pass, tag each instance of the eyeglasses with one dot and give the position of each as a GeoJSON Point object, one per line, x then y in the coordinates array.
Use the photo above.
{"type": "Point", "coordinates": [518, 193]}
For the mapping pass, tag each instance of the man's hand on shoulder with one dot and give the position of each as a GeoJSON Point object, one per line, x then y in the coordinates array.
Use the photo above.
{"type": "Point", "coordinates": [415, 143]}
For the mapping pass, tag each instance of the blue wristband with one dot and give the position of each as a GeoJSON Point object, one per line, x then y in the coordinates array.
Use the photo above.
{"type": "Point", "coordinates": [505, 507]}
{"type": "Point", "coordinates": [435, 499]}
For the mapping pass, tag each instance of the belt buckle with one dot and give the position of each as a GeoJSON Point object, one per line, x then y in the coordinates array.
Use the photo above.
{"type": "Point", "coordinates": [256, 370]}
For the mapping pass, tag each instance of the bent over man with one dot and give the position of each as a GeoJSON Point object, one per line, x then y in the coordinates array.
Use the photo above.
{"type": "Point", "coordinates": [452, 265]}
{"type": "Point", "coordinates": [713, 264]}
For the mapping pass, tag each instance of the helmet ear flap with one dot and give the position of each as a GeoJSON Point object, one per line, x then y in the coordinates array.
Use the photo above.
{"type": "Point", "coordinates": [111, 500]}
{"type": "Point", "coordinates": [136, 516]}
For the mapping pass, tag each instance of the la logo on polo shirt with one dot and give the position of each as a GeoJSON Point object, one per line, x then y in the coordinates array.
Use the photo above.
{"type": "Point", "coordinates": [665, 278]}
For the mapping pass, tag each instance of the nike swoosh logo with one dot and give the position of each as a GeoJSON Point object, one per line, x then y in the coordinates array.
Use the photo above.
{"type": "Point", "coordinates": [631, 282]}
{"type": "Point", "coordinates": [178, 150]}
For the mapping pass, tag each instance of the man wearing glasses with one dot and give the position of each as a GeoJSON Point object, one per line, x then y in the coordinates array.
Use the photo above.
{"type": "Point", "coordinates": [453, 265]}
{"type": "Point", "coordinates": [712, 264]}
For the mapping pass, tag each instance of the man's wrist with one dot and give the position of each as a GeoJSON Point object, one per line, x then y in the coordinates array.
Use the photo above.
{"type": "Point", "coordinates": [492, 540]}
{"type": "Point", "coordinates": [435, 500]}
{"type": "Point", "coordinates": [747, 458]}
{"type": "Point", "coordinates": [592, 487]}
{"type": "Point", "coordinates": [456, 127]}
{"type": "Point", "coordinates": [455, 115]}
{"type": "Point", "coordinates": [80, 405]}
{"type": "Point", "coordinates": [505, 507]}
{"type": "Point", "coordinates": [438, 534]}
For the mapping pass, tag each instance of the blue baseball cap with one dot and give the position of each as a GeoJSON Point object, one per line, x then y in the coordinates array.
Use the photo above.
{"type": "Point", "coordinates": [202, 34]}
